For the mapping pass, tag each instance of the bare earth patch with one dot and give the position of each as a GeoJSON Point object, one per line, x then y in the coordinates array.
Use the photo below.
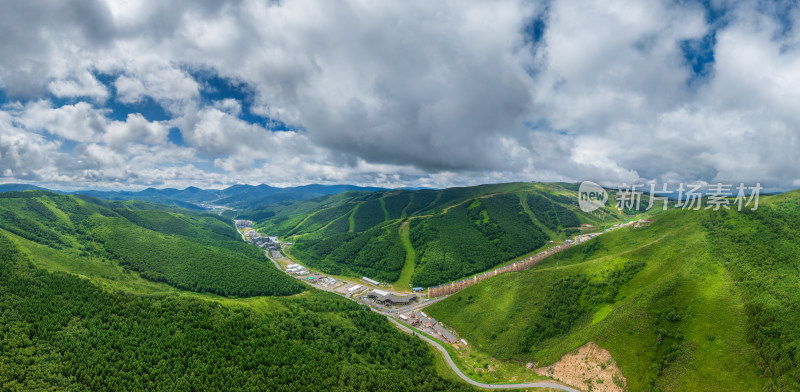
{"type": "Point", "coordinates": [589, 367]}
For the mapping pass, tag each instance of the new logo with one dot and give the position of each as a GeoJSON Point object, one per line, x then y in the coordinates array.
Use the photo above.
{"type": "Point", "coordinates": [591, 196]}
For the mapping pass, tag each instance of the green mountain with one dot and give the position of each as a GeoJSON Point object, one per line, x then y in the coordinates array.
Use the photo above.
{"type": "Point", "coordinates": [190, 251]}
{"type": "Point", "coordinates": [696, 300]}
{"type": "Point", "coordinates": [428, 237]}
{"type": "Point", "coordinates": [94, 295]}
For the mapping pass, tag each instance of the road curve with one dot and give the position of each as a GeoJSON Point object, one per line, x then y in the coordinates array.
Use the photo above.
{"type": "Point", "coordinates": [539, 384]}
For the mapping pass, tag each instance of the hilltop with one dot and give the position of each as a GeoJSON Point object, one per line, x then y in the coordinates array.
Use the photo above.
{"type": "Point", "coordinates": [429, 237]}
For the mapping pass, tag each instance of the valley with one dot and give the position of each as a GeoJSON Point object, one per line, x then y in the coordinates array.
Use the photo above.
{"type": "Point", "coordinates": [606, 291]}
{"type": "Point", "coordinates": [402, 315]}
{"type": "Point", "coordinates": [426, 238]}
{"type": "Point", "coordinates": [80, 312]}
{"type": "Point", "coordinates": [412, 196]}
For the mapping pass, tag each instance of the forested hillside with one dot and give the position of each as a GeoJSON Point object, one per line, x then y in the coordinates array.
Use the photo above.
{"type": "Point", "coordinates": [697, 300]}
{"type": "Point", "coordinates": [455, 232]}
{"type": "Point", "coordinates": [61, 332]}
{"type": "Point", "coordinates": [190, 251]}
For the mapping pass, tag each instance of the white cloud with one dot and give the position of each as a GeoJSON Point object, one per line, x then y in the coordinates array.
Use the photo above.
{"type": "Point", "coordinates": [230, 106]}
{"type": "Point", "coordinates": [82, 85]}
{"type": "Point", "coordinates": [172, 88]}
{"type": "Point", "coordinates": [23, 155]}
{"type": "Point", "coordinates": [135, 129]}
{"type": "Point", "coordinates": [79, 122]}
{"type": "Point", "coordinates": [417, 92]}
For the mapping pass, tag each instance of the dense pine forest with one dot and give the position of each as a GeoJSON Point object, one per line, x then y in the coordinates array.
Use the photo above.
{"type": "Point", "coordinates": [473, 237]}
{"type": "Point", "coordinates": [61, 332]}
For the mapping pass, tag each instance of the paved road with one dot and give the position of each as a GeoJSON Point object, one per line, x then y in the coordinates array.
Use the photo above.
{"type": "Point", "coordinates": [278, 266]}
{"type": "Point", "coordinates": [538, 384]}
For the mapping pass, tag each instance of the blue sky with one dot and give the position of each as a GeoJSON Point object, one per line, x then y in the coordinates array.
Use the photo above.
{"type": "Point", "coordinates": [130, 95]}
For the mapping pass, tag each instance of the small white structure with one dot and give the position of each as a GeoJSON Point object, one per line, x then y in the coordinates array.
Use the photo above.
{"type": "Point", "coordinates": [381, 292]}
{"type": "Point", "coordinates": [403, 317]}
{"type": "Point", "coordinates": [354, 288]}
{"type": "Point", "coordinates": [296, 269]}
{"type": "Point", "coordinates": [464, 341]}
{"type": "Point", "coordinates": [370, 281]}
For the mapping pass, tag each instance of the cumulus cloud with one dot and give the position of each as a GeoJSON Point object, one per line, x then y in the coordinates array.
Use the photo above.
{"type": "Point", "coordinates": [172, 88]}
{"type": "Point", "coordinates": [23, 155]}
{"type": "Point", "coordinates": [84, 84]}
{"type": "Point", "coordinates": [135, 129]}
{"type": "Point", "coordinates": [411, 93]}
{"type": "Point", "coordinates": [79, 122]}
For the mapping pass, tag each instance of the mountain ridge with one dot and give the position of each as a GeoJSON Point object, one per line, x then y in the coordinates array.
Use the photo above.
{"type": "Point", "coordinates": [238, 196]}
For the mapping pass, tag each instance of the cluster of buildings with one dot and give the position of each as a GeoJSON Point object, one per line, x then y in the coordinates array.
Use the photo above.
{"type": "Point", "coordinates": [255, 238]}
{"type": "Point", "coordinates": [419, 319]}
{"type": "Point", "coordinates": [261, 241]}
{"type": "Point", "coordinates": [243, 224]}
{"type": "Point", "coordinates": [296, 269]}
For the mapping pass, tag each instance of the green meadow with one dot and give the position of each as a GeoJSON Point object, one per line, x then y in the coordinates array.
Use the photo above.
{"type": "Point", "coordinates": [696, 300]}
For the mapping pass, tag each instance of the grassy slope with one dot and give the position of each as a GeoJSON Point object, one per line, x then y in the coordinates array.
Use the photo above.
{"type": "Point", "coordinates": [408, 268]}
{"type": "Point", "coordinates": [684, 294]}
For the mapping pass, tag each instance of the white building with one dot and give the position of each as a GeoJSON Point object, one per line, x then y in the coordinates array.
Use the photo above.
{"type": "Point", "coordinates": [370, 281]}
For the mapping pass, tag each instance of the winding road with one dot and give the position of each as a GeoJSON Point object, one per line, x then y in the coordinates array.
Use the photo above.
{"type": "Point", "coordinates": [436, 345]}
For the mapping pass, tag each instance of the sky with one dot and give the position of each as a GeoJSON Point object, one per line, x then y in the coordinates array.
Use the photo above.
{"type": "Point", "coordinates": [132, 94]}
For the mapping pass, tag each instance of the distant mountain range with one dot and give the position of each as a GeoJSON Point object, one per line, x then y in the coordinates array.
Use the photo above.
{"type": "Point", "coordinates": [20, 188]}
{"type": "Point", "coordinates": [236, 196]}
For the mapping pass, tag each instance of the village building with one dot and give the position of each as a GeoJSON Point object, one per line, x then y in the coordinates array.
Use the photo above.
{"type": "Point", "coordinates": [389, 299]}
